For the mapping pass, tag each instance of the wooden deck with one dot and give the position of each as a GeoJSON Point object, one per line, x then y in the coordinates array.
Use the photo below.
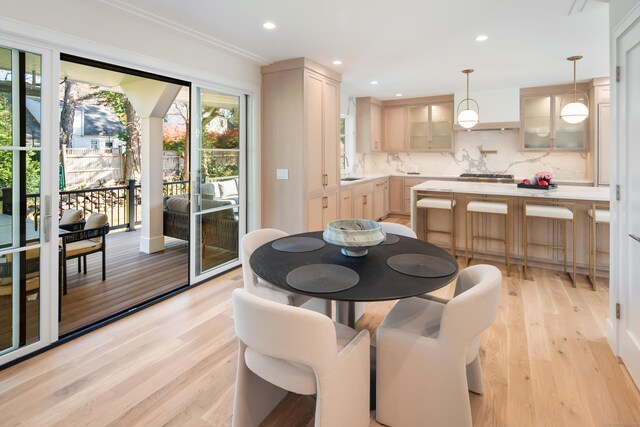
{"type": "Point", "coordinates": [132, 278]}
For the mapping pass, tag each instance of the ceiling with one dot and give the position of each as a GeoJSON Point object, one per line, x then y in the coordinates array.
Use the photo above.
{"type": "Point", "coordinates": [413, 47]}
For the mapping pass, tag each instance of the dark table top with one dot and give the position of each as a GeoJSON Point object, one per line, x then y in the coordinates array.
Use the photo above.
{"type": "Point", "coordinates": [378, 282]}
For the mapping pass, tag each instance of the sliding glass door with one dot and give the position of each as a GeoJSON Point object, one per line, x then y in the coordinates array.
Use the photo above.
{"type": "Point", "coordinates": [217, 181]}
{"type": "Point", "coordinates": [25, 218]}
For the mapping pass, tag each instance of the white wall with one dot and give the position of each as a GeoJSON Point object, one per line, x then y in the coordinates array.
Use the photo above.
{"type": "Point", "coordinates": [618, 9]}
{"type": "Point", "coordinates": [92, 20]}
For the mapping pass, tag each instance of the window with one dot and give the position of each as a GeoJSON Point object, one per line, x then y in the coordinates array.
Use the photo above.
{"type": "Point", "coordinates": [94, 143]}
{"type": "Point", "coordinates": [347, 146]}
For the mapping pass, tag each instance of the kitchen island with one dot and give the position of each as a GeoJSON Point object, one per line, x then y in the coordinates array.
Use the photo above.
{"type": "Point", "coordinates": [540, 230]}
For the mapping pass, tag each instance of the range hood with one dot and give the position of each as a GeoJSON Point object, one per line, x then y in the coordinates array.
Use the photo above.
{"type": "Point", "coordinates": [499, 109]}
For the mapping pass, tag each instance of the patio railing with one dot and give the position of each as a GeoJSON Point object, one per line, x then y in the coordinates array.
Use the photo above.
{"type": "Point", "coordinates": [121, 204]}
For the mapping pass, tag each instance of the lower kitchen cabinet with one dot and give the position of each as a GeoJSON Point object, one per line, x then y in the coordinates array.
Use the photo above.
{"type": "Point", "coordinates": [363, 200]}
{"type": "Point", "coordinates": [322, 208]}
{"type": "Point", "coordinates": [380, 198]}
{"type": "Point", "coordinates": [346, 203]}
{"type": "Point", "coordinates": [396, 195]}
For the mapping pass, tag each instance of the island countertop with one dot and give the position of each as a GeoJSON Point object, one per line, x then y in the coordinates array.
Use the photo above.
{"type": "Point", "coordinates": [564, 192]}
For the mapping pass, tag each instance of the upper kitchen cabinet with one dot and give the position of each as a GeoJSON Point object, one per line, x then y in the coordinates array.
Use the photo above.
{"type": "Point", "coordinates": [300, 145]}
{"type": "Point", "coordinates": [419, 124]}
{"type": "Point", "coordinates": [542, 128]}
{"type": "Point", "coordinates": [395, 128]}
{"type": "Point", "coordinates": [368, 125]}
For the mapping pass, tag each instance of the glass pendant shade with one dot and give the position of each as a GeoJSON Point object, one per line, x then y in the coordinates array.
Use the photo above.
{"type": "Point", "coordinates": [467, 119]}
{"type": "Point", "coordinates": [575, 112]}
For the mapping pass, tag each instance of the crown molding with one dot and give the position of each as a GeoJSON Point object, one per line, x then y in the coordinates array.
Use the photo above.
{"type": "Point", "coordinates": [189, 32]}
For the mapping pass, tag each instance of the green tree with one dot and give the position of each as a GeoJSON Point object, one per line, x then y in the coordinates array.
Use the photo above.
{"type": "Point", "coordinates": [129, 118]}
{"type": "Point", "coordinates": [6, 157]}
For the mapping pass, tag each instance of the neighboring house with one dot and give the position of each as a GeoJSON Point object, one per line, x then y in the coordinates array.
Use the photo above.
{"type": "Point", "coordinates": [96, 126]}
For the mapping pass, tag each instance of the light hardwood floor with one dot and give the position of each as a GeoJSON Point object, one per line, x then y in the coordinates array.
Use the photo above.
{"type": "Point", "coordinates": [546, 363]}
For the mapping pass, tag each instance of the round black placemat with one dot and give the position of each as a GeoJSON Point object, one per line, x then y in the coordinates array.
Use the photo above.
{"type": "Point", "coordinates": [421, 265]}
{"type": "Point", "coordinates": [322, 278]}
{"type": "Point", "coordinates": [391, 239]}
{"type": "Point", "coordinates": [297, 244]}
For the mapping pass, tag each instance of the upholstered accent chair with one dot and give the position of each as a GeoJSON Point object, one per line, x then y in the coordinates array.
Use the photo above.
{"type": "Point", "coordinates": [290, 349]}
{"type": "Point", "coordinates": [399, 229]}
{"type": "Point", "coordinates": [427, 353]}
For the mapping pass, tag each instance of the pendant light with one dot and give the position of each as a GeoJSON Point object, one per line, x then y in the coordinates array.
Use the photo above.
{"type": "Point", "coordinates": [575, 111]}
{"type": "Point", "coordinates": [468, 117]}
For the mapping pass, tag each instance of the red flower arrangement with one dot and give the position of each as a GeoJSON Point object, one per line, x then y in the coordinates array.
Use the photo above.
{"type": "Point", "coordinates": [545, 176]}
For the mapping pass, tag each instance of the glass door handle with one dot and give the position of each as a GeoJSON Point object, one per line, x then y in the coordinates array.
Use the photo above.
{"type": "Point", "coordinates": [634, 237]}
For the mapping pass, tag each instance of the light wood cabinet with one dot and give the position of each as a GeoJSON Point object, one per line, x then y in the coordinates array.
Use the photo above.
{"type": "Point", "coordinates": [542, 128]}
{"type": "Point", "coordinates": [419, 124]}
{"type": "Point", "coordinates": [431, 127]}
{"type": "Point", "coordinates": [395, 121]}
{"type": "Point", "coordinates": [363, 201]}
{"type": "Point", "coordinates": [300, 133]}
{"type": "Point", "coordinates": [380, 198]}
{"type": "Point", "coordinates": [396, 195]}
{"type": "Point", "coordinates": [368, 125]}
{"type": "Point", "coordinates": [346, 203]}
{"type": "Point", "coordinates": [321, 209]}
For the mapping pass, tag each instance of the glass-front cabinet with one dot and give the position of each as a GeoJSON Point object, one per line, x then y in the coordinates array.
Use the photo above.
{"type": "Point", "coordinates": [543, 129]}
{"type": "Point", "coordinates": [431, 127]}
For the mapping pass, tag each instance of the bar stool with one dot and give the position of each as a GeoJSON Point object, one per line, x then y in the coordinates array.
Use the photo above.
{"type": "Point", "coordinates": [494, 205]}
{"type": "Point", "coordinates": [597, 215]}
{"type": "Point", "coordinates": [428, 201]}
{"type": "Point", "coordinates": [555, 211]}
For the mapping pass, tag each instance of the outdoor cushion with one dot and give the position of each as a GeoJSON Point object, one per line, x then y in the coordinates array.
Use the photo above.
{"type": "Point", "coordinates": [96, 220]}
{"type": "Point", "coordinates": [70, 216]}
{"type": "Point", "coordinates": [210, 190]}
{"type": "Point", "coordinates": [82, 246]}
{"type": "Point", "coordinates": [211, 204]}
{"type": "Point", "coordinates": [178, 204]}
{"type": "Point", "coordinates": [228, 187]}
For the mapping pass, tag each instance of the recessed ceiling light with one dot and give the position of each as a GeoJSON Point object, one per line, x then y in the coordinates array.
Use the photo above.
{"type": "Point", "coordinates": [374, 82]}
{"type": "Point", "coordinates": [481, 38]}
{"type": "Point", "coordinates": [269, 26]}
{"type": "Point", "coordinates": [398, 94]}
{"type": "Point", "coordinates": [337, 62]}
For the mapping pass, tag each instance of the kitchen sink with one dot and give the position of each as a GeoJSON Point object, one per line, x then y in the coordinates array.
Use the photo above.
{"type": "Point", "coordinates": [352, 178]}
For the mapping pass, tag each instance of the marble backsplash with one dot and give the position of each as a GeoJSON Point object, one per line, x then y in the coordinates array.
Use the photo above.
{"type": "Point", "coordinates": [469, 159]}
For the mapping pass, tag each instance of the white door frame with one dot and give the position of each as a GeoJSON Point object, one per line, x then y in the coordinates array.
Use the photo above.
{"type": "Point", "coordinates": [619, 280]}
{"type": "Point", "coordinates": [49, 120]}
{"type": "Point", "coordinates": [246, 102]}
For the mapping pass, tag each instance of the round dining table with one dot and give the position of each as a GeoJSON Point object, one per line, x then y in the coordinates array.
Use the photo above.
{"type": "Point", "coordinates": [314, 267]}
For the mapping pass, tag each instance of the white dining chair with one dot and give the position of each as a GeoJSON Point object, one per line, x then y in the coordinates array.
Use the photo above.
{"type": "Point", "coordinates": [252, 283]}
{"type": "Point", "coordinates": [399, 229]}
{"type": "Point", "coordinates": [289, 349]}
{"type": "Point", "coordinates": [427, 353]}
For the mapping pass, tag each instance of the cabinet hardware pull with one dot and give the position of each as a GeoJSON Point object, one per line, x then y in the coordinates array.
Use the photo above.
{"type": "Point", "coordinates": [634, 237]}
{"type": "Point", "coordinates": [325, 179]}
{"type": "Point", "coordinates": [365, 199]}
